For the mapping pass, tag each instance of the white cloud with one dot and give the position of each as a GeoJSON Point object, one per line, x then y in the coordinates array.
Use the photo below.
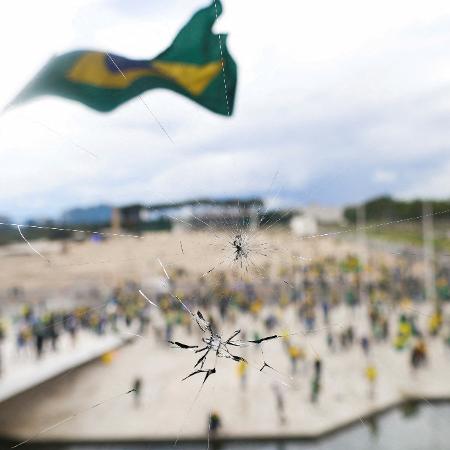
{"type": "Point", "coordinates": [434, 184]}
{"type": "Point", "coordinates": [329, 92]}
{"type": "Point", "coordinates": [384, 176]}
{"type": "Point", "coordinates": [227, 174]}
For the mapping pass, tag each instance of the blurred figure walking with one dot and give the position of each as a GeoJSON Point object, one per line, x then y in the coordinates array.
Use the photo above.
{"type": "Point", "coordinates": [214, 423]}
{"type": "Point", "coordinates": [280, 403]}
{"type": "Point", "coordinates": [371, 375]}
{"type": "Point", "coordinates": [242, 373]}
{"type": "Point", "coordinates": [137, 386]}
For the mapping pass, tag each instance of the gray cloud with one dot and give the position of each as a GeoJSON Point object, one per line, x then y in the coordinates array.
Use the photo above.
{"type": "Point", "coordinates": [326, 106]}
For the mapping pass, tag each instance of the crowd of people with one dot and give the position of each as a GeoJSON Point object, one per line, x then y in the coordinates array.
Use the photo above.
{"type": "Point", "coordinates": [389, 293]}
{"type": "Point", "coordinates": [37, 329]}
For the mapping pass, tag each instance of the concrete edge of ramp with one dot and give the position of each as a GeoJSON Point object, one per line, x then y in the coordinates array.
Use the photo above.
{"type": "Point", "coordinates": [325, 432]}
{"type": "Point", "coordinates": [26, 380]}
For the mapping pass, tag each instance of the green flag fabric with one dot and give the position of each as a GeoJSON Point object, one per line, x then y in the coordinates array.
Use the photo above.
{"type": "Point", "coordinates": [196, 65]}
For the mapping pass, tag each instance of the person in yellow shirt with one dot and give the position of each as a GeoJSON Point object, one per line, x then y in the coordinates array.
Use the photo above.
{"type": "Point", "coordinates": [241, 370]}
{"type": "Point", "coordinates": [371, 376]}
{"type": "Point", "coordinates": [295, 353]}
{"type": "Point", "coordinates": [435, 322]}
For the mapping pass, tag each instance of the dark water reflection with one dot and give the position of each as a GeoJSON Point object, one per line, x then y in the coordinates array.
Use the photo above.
{"type": "Point", "coordinates": [411, 427]}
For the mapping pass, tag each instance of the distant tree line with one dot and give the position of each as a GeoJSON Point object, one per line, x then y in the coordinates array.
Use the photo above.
{"type": "Point", "coordinates": [9, 235]}
{"type": "Point", "coordinates": [386, 208]}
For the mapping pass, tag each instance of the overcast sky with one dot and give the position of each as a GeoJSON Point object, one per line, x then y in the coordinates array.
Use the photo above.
{"type": "Point", "coordinates": [344, 99]}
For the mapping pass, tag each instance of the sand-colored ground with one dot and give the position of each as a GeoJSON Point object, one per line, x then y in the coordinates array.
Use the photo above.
{"type": "Point", "coordinates": [168, 408]}
{"type": "Point", "coordinates": [84, 265]}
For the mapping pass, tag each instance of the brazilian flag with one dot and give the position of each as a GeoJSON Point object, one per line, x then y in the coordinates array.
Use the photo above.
{"type": "Point", "coordinates": [196, 65]}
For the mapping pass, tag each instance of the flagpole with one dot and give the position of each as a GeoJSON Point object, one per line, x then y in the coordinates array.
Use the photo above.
{"type": "Point", "coordinates": [363, 250]}
{"type": "Point", "coordinates": [428, 251]}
